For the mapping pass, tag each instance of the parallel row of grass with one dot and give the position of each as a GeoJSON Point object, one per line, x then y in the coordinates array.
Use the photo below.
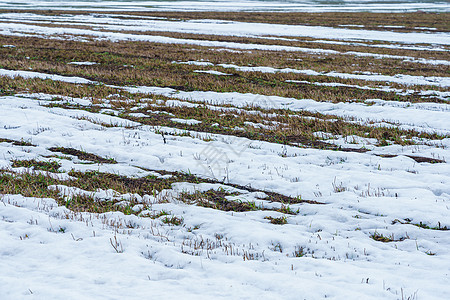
{"type": "Point", "coordinates": [296, 128]}
{"type": "Point", "coordinates": [152, 65]}
{"type": "Point", "coordinates": [36, 184]}
{"type": "Point", "coordinates": [372, 21]}
{"type": "Point", "coordinates": [302, 42]}
{"type": "Point", "coordinates": [33, 184]}
{"type": "Point", "coordinates": [277, 126]}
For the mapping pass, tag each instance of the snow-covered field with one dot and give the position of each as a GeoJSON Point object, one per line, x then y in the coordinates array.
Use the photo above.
{"type": "Point", "coordinates": [233, 5]}
{"type": "Point", "coordinates": [209, 194]}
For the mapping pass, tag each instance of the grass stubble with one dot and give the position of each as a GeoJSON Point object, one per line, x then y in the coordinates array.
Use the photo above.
{"type": "Point", "coordinates": [152, 64]}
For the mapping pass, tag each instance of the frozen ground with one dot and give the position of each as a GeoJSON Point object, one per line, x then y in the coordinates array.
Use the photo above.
{"type": "Point", "coordinates": [230, 5]}
{"type": "Point", "coordinates": [375, 225]}
{"type": "Point", "coordinates": [48, 250]}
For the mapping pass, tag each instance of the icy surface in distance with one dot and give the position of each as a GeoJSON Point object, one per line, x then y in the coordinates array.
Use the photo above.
{"type": "Point", "coordinates": [221, 5]}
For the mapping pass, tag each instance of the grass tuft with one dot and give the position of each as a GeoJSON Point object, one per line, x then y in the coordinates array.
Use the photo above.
{"type": "Point", "coordinates": [173, 220]}
{"type": "Point", "coordinates": [50, 166]}
{"type": "Point", "coordinates": [84, 155]}
{"type": "Point", "coordinates": [17, 143]}
{"type": "Point", "coordinates": [385, 239]}
{"type": "Point", "coordinates": [277, 221]}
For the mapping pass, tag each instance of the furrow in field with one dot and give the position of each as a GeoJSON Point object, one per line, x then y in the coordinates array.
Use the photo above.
{"type": "Point", "coordinates": [156, 67]}
{"type": "Point", "coordinates": [75, 33]}
{"type": "Point", "coordinates": [429, 118]}
{"type": "Point", "coordinates": [399, 78]}
{"type": "Point", "coordinates": [340, 44]}
{"type": "Point", "coordinates": [93, 138]}
{"type": "Point", "coordinates": [220, 27]}
{"type": "Point", "coordinates": [203, 167]}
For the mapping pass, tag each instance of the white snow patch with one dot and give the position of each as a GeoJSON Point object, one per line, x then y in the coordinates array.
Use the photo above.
{"type": "Point", "coordinates": [186, 121]}
{"type": "Point", "coordinates": [212, 72]}
{"type": "Point", "coordinates": [82, 63]}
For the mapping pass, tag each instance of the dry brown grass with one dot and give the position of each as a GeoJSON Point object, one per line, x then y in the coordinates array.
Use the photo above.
{"type": "Point", "coordinates": [50, 166]}
{"type": "Point", "coordinates": [371, 20]}
{"type": "Point", "coordinates": [292, 128]}
{"type": "Point", "coordinates": [278, 126]}
{"type": "Point", "coordinates": [217, 199]}
{"type": "Point", "coordinates": [16, 143]}
{"type": "Point", "coordinates": [34, 184]}
{"type": "Point", "coordinates": [153, 66]}
{"type": "Point", "coordinates": [302, 42]}
{"type": "Point", "coordinates": [311, 43]}
{"type": "Point", "coordinates": [83, 155]}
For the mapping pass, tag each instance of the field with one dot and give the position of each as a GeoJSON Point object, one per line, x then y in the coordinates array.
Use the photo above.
{"type": "Point", "coordinates": [230, 155]}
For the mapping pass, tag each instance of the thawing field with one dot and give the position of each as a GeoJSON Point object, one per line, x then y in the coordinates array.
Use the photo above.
{"type": "Point", "coordinates": [224, 155]}
{"type": "Point", "coordinates": [233, 5]}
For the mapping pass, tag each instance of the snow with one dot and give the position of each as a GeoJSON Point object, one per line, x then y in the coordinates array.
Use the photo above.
{"type": "Point", "coordinates": [50, 250]}
{"type": "Point", "coordinates": [433, 117]}
{"type": "Point", "coordinates": [324, 251]}
{"type": "Point", "coordinates": [138, 115]}
{"type": "Point", "coordinates": [188, 122]}
{"type": "Point", "coordinates": [30, 74]}
{"type": "Point", "coordinates": [399, 78]}
{"type": "Point", "coordinates": [82, 63]}
{"type": "Point", "coordinates": [431, 121]}
{"type": "Point", "coordinates": [219, 27]}
{"type": "Point", "coordinates": [227, 5]}
{"type": "Point", "coordinates": [212, 72]}
{"type": "Point", "coordinates": [389, 46]}
{"type": "Point", "coordinates": [195, 63]}
{"type": "Point", "coordinates": [227, 28]}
